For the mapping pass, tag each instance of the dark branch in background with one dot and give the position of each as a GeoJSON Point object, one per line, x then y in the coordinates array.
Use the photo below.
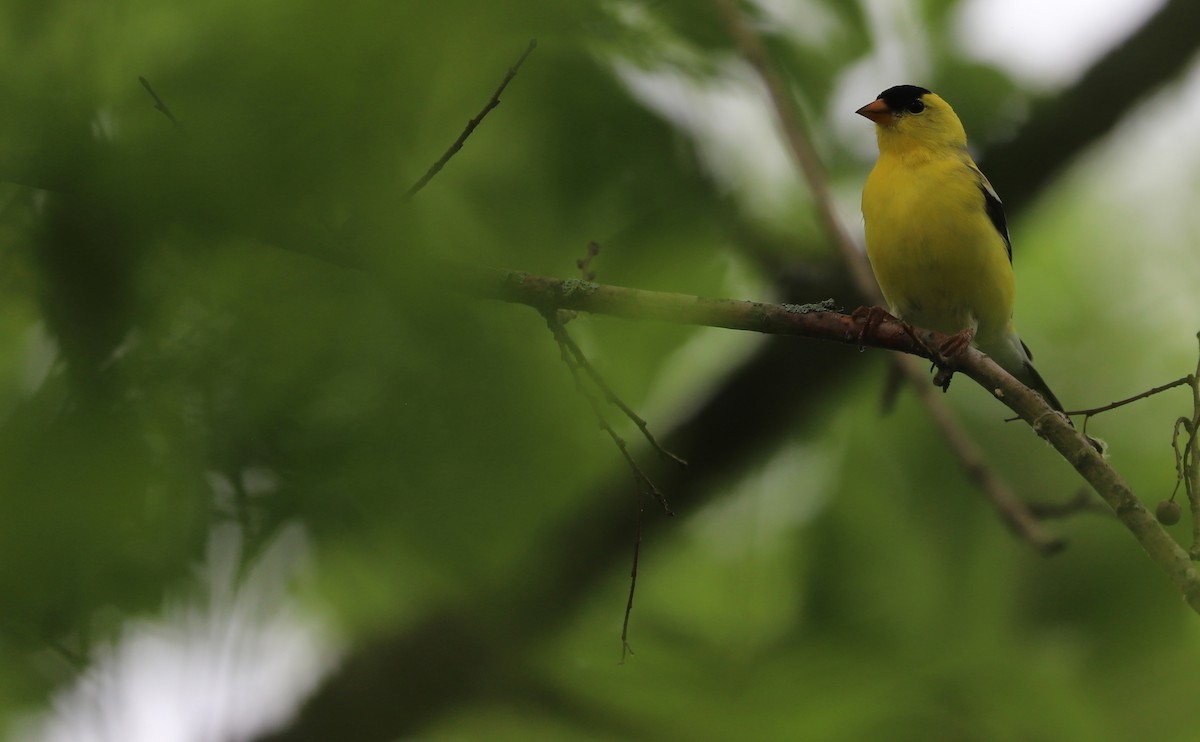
{"type": "Point", "coordinates": [1017, 514]}
{"type": "Point", "coordinates": [799, 144]}
{"type": "Point", "coordinates": [159, 105]}
{"type": "Point", "coordinates": [471, 125]}
{"type": "Point", "coordinates": [1064, 125]}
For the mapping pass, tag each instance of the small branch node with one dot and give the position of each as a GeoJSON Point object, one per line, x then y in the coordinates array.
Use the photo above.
{"type": "Point", "coordinates": [584, 263]}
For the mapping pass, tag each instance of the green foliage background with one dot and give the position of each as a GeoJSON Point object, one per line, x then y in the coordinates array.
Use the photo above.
{"type": "Point", "coordinates": [251, 292]}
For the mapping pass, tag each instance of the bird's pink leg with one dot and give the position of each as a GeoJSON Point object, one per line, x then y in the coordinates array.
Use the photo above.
{"type": "Point", "coordinates": [871, 318]}
{"type": "Point", "coordinates": [956, 344]}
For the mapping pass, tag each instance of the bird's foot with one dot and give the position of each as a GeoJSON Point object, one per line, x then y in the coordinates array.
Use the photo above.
{"type": "Point", "coordinates": [954, 345]}
{"type": "Point", "coordinates": [945, 357]}
{"type": "Point", "coordinates": [871, 318]}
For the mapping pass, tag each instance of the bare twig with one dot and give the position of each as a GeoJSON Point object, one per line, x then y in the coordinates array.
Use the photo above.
{"type": "Point", "coordinates": [1184, 474]}
{"type": "Point", "coordinates": [1013, 511]}
{"type": "Point", "coordinates": [471, 125]}
{"type": "Point", "coordinates": [1121, 403]}
{"type": "Point", "coordinates": [159, 105]}
{"type": "Point", "coordinates": [575, 360]}
{"type": "Point", "coordinates": [564, 345]}
{"type": "Point", "coordinates": [626, 649]}
{"type": "Point", "coordinates": [1188, 461]}
{"type": "Point", "coordinates": [611, 397]}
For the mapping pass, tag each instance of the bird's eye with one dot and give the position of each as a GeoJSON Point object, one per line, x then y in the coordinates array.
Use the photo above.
{"type": "Point", "coordinates": [916, 106]}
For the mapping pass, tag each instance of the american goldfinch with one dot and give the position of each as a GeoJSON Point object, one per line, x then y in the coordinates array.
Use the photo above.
{"type": "Point", "coordinates": [936, 235]}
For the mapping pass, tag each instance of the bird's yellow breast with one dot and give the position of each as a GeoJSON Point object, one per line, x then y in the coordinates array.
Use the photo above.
{"type": "Point", "coordinates": [938, 258]}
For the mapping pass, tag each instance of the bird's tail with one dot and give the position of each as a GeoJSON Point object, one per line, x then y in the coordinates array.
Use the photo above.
{"type": "Point", "coordinates": [1014, 356]}
{"type": "Point", "coordinates": [1032, 379]}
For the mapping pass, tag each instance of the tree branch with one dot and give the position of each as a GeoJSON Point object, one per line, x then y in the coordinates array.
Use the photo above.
{"type": "Point", "coordinates": [545, 293]}
{"type": "Point", "coordinates": [816, 321]}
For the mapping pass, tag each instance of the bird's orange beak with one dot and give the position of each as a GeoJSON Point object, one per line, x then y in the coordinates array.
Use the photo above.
{"type": "Point", "coordinates": [878, 112]}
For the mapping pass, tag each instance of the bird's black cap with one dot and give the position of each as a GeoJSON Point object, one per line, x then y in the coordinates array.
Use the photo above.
{"type": "Point", "coordinates": [898, 98]}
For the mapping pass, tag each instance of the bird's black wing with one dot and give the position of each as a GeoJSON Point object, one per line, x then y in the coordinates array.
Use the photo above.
{"type": "Point", "coordinates": [995, 209]}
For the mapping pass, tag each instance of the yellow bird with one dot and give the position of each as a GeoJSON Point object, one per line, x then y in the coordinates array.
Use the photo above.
{"type": "Point", "coordinates": [936, 234]}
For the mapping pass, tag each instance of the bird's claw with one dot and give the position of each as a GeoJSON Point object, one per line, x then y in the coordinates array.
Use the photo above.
{"type": "Point", "coordinates": [871, 318]}
{"type": "Point", "coordinates": [943, 356]}
{"type": "Point", "coordinates": [946, 355]}
{"type": "Point", "coordinates": [954, 345]}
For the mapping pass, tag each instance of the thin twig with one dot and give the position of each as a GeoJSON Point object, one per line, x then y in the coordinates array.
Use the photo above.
{"type": "Point", "coordinates": [1014, 512]}
{"type": "Point", "coordinates": [159, 105]}
{"type": "Point", "coordinates": [1191, 479]}
{"type": "Point", "coordinates": [626, 649]}
{"type": "Point", "coordinates": [574, 359]}
{"type": "Point", "coordinates": [640, 476]}
{"type": "Point", "coordinates": [1181, 422]}
{"type": "Point", "coordinates": [471, 125]}
{"type": "Point", "coordinates": [1189, 466]}
{"type": "Point", "coordinates": [1134, 398]}
{"type": "Point", "coordinates": [1183, 468]}
{"type": "Point", "coordinates": [611, 397]}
